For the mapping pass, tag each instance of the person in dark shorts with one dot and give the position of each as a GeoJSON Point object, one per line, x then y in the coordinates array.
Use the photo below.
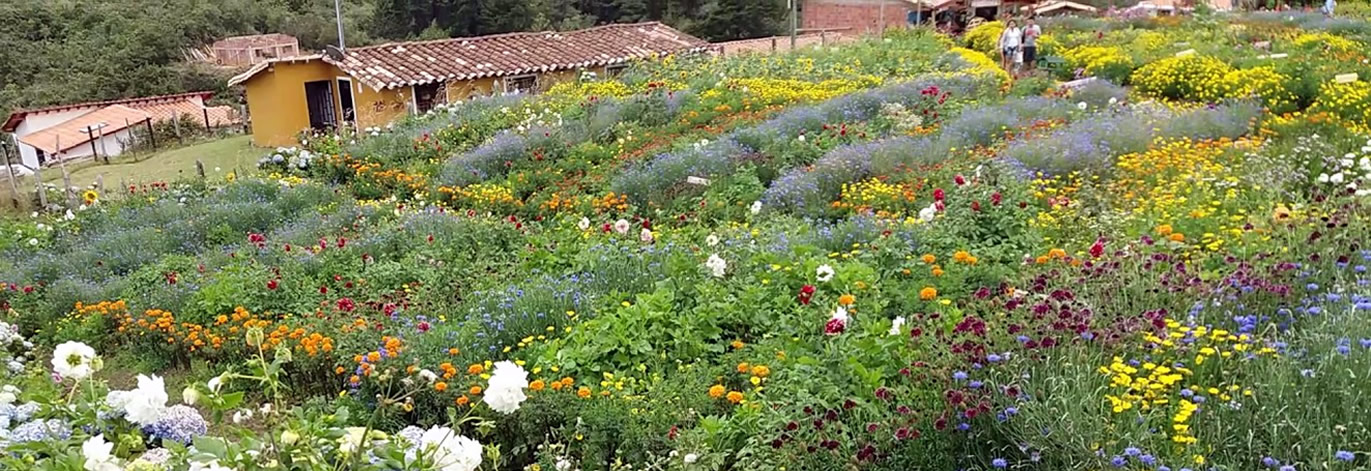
{"type": "Point", "coordinates": [1031, 32]}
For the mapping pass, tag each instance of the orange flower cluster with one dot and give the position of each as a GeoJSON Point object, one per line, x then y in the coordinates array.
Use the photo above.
{"type": "Point", "coordinates": [610, 202]}
{"type": "Point", "coordinates": [385, 177]}
{"type": "Point", "coordinates": [216, 336]}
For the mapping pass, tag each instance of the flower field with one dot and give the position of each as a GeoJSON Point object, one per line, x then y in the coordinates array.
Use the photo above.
{"type": "Point", "coordinates": [886, 255]}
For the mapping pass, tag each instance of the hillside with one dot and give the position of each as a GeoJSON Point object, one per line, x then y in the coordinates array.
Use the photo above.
{"type": "Point", "coordinates": [68, 51]}
{"type": "Point", "coordinates": [884, 255]}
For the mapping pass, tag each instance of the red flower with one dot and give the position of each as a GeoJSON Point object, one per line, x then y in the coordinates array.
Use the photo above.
{"type": "Point", "coordinates": [342, 241]}
{"type": "Point", "coordinates": [272, 284]}
{"type": "Point", "coordinates": [976, 206]}
{"type": "Point", "coordinates": [959, 180]}
{"type": "Point", "coordinates": [323, 290]}
{"type": "Point", "coordinates": [430, 238]}
{"type": "Point", "coordinates": [424, 326]}
{"type": "Point", "coordinates": [995, 198]}
{"type": "Point", "coordinates": [938, 194]}
{"type": "Point", "coordinates": [835, 326]}
{"type": "Point", "coordinates": [346, 305]}
{"type": "Point", "coordinates": [1097, 248]}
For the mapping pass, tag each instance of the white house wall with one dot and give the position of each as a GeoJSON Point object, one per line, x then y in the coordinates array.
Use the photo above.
{"type": "Point", "coordinates": [35, 122]}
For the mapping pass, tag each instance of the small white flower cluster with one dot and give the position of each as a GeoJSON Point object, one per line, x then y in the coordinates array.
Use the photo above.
{"type": "Point", "coordinates": [1350, 172]}
{"type": "Point", "coordinates": [901, 117]}
{"type": "Point", "coordinates": [716, 265]}
{"type": "Point", "coordinates": [372, 131]}
{"type": "Point", "coordinates": [289, 157]}
{"type": "Point", "coordinates": [14, 350]}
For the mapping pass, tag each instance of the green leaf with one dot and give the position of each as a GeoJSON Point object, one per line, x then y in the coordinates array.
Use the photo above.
{"type": "Point", "coordinates": [214, 446]}
{"type": "Point", "coordinates": [231, 400]}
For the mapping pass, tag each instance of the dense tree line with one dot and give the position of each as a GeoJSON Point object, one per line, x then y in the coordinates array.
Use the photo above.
{"type": "Point", "coordinates": [57, 51]}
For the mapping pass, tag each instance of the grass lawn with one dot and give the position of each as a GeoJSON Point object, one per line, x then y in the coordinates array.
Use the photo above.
{"type": "Point", "coordinates": [220, 157]}
{"type": "Point", "coordinates": [224, 154]}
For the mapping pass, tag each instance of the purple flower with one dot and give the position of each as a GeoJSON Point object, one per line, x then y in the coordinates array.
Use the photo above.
{"type": "Point", "coordinates": [999, 463]}
{"type": "Point", "coordinates": [1344, 455]}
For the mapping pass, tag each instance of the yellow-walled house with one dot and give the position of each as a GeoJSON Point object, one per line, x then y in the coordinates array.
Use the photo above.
{"type": "Point", "coordinates": [372, 86]}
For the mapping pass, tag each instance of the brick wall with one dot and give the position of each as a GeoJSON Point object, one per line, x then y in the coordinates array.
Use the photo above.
{"type": "Point", "coordinates": [861, 16]}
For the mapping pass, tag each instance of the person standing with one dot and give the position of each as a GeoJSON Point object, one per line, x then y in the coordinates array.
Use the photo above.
{"type": "Point", "coordinates": [1010, 42]}
{"type": "Point", "coordinates": [1031, 32]}
{"type": "Point", "coordinates": [1328, 6]}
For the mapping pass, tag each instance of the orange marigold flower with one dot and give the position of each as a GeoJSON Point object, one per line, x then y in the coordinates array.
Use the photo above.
{"type": "Point", "coordinates": [847, 299]}
{"type": "Point", "coordinates": [735, 397]}
{"type": "Point", "coordinates": [1164, 229]}
{"type": "Point", "coordinates": [929, 258]}
{"type": "Point", "coordinates": [744, 367]}
{"type": "Point", "coordinates": [1178, 237]}
{"type": "Point", "coordinates": [462, 400]}
{"type": "Point", "coordinates": [440, 386]}
{"type": "Point", "coordinates": [536, 385]}
{"type": "Point", "coordinates": [716, 391]}
{"type": "Point", "coordinates": [961, 256]}
{"type": "Point", "coordinates": [453, 351]}
{"type": "Point", "coordinates": [583, 393]}
{"type": "Point", "coordinates": [1041, 259]}
{"type": "Point", "coordinates": [737, 344]}
{"type": "Point", "coordinates": [475, 390]}
{"type": "Point", "coordinates": [374, 357]}
{"type": "Point", "coordinates": [937, 271]}
{"type": "Point", "coordinates": [339, 370]}
{"type": "Point", "coordinates": [475, 369]}
{"type": "Point", "coordinates": [761, 371]}
{"type": "Point", "coordinates": [928, 293]}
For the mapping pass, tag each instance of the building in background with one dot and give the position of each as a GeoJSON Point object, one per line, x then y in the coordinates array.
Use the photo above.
{"type": "Point", "coordinates": [372, 86]}
{"type": "Point", "coordinates": [248, 50]}
{"type": "Point", "coordinates": [103, 128]}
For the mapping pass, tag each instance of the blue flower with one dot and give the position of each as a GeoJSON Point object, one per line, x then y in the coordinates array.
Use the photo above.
{"type": "Point", "coordinates": [1147, 459]}
{"type": "Point", "coordinates": [1344, 455]}
{"type": "Point", "coordinates": [1270, 462]}
{"type": "Point", "coordinates": [999, 463]}
{"type": "Point", "coordinates": [1132, 451]}
{"type": "Point", "coordinates": [41, 430]}
{"type": "Point", "coordinates": [1118, 461]}
{"type": "Point", "coordinates": [180, 424]}
{"type": "Point", "coordinates": [959, 375]}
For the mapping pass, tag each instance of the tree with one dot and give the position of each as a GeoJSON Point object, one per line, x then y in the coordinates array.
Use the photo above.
{"type": "Point", "coordinates": [740, 19]}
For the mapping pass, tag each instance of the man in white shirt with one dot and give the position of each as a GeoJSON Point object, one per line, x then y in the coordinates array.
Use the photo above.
{"type": "Point", "coordinates": [1031, 33]}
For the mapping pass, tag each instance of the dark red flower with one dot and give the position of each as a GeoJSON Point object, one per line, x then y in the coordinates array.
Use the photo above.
{"type": "Point", "coordinates": [938, 194]}
{"type": "Point", "coordinates": [346, 305]}
{"type": "Point", "coordinates": [272, 284]}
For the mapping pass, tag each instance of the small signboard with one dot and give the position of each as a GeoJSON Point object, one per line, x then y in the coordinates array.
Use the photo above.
{"type": "Point", "coordinates": [697, 180]}
{"type": "Point", "coordinates": [1345, 78]}
{"type": "Point", "coordinates": [1077, 83]}
{"type": "Point", "coordinates": [1187, 52]}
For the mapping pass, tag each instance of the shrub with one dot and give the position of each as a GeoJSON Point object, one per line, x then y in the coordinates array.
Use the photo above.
{"type": "Point", "coordinates": [1106, 62]}
{"type": "Point", "coordinates": [1349, 101]}
{"type": "Point", "coordinates": [1193, 77]}
{"type": "Point", "coordinates": [985, 38]}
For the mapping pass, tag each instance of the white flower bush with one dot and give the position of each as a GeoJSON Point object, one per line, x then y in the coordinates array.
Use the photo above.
{"type": "Point", "coordinates": [82, 425]}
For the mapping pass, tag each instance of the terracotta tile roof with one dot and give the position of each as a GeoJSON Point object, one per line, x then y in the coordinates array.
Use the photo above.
{"type": "Point", "coordinates": [163, 111]}
{"type": "Point", "coordinates": [72, 133]}
{"type": "Point", "coordinates": [254, 40]}
{"type": "Point", "coordinates": [18, 116]}
{"type": "Point", "coordinates": [415, 63]}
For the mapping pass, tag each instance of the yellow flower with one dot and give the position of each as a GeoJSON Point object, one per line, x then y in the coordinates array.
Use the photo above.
{"type": "Point", "coordinates": [716, 391]}
{"type": "Point", "coordinates": [735, 397]}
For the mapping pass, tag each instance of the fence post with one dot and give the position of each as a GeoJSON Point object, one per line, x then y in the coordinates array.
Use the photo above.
{"type": "Point", "coordinates": [773, 44]}
{"type": "Point", "coordinates": [14, 182]}
{"type": "Point", "coordinates": [176, 125]}
{"type": "Point", "coordinates": [151, 136]}
{"type": "Point", "coordinates": [66, 176]}
{"type": "Point", "coordinates": [205, 111]}
{"type": "Point", "coordinates": [243, 116]}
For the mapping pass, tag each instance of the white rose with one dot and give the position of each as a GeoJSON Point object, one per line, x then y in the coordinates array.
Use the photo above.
{"type": "Point", "coordinates": [505, 390]}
